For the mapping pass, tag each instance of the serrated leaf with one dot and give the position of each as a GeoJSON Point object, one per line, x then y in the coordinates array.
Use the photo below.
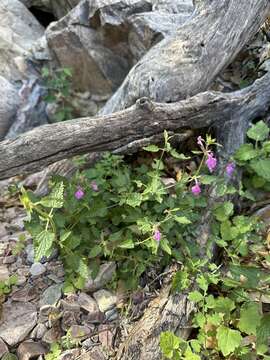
{"type": "Point", "coordinates": [83, 269]}
{"type": "Point", "coordinates": [151, 148]}
{"type": "Point", "coordinates": [9, 356]}
{"type": "Point", "coordinates": [134, 199]}
{"type": "Point", "coordinates": [246, 152]}
{"type": "Point", "coordinates": [183, 220]}
{"type": "Point", "coordinates": [56, 198]}
{"type": "Point", "coordinates": [263, 331]}
{"type": "Point", "coordinates": [164, 243]}
{"type": "Point", "coordinates": [208, 179]}
{"type": "Point", "coordinates": [258, 132]}
{"type": "Point", "coordinates": [228, 340]}
{"type": "Point", "coordinates": [43, 244]}
{"type": "Point", "coordinates": [169, 343]}
{"type": "Point", "coordinates": [249, 318]}
{"type": "Point", "coordinates": [127, 244]}
{"type": "Point", "coordinates": [195, 296]}
{"type": "Point", "coordinates": [262, 168]}
{"type": "Point", "coordinates": [95, 251]}
{"type": "Point", "coordinates": [224, 305]}
{"type": "Point", "coordinates": [223, 211]}
{"type": "Point", "coordinates": [180, 281]}
{"type": "Point", "coordinates": [178, 156]}
{"type": "Point", "coordinates": [189, 355]}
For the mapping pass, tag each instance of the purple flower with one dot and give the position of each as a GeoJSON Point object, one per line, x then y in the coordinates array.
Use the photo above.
{"type": "Point", "coordinates": [211, 162]}
{"type": "Point", "coordinates": [230, 168]}
{"type": "Point", "coordinates": [200, 140]}
{"type": "Point", "coordinates": [94, 186]}
{"type": "Point", "coordinates": [157, 235]}
{"type": "Point", "coordinates": [79, 194]}
{"type": "Point", "coordinates": [196, 189]}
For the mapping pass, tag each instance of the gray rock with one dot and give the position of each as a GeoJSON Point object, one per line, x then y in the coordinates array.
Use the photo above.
{"type": "Point", "coordinates": [51, 295]}
{"type": "Point", "coordinates": [9, 259]}
{"type": "Point", "coordinates": [3, 348]}
{"type": "Point", "coordinates": [111, 315]}
{"type": "Point", "coordinates": [105, 299]}
{"type": "Point", "coordinates": [70, 303]}
{"type": "Point", "coordinates": [17, 321]}
{"type": "Point", "coordinates": [37, 269]}
{"type": "Point", "coordinates": [53, 335]}
{"type": "Point", "coordinates": [105, 274]}
{"type": "Point", "coordinates": [79, 332]}
{"type": "Point", "coordinates": [87, 303]}
{"type": "Point", "coordinates": [69, 319]}
{"type": "Point", "coordinates": [38, 332]}
{"type": "Point", "coordinates": [4, 273]}
{"type": "Point", "coordinates": [30, 253]}
{"type": "Point", "coordinates": [70, 355]}
{"type": "Point", "coordinates": [48, 311]}
{"type": "Point", "coordinates": [29, 349]}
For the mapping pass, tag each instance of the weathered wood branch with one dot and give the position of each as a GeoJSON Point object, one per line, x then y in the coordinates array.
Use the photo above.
{"type": "Point", "coordinates": [187, 62]}
{"type": "Point", "coordinates": [40, 147]}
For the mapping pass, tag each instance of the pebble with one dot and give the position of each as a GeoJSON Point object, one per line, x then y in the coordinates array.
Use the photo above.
{"type": "Point", "coordinates": [37, 269]}
{"type": "Point", "coordinates": [105, 274]}
{"type": "Point", "coordinates": [38, 332]}
{"type": "Point", "coordinates": [4, 273]}
{"type": "Point", "coordinates": [52, 335]}
{"type": "Point", "coordinates": [29, 349]}
{"type": "Point", "coordinates": [87, 303]}
{"type": "Point", "coordinates": [111, 315]}
{"type": "Point", "coordinates": [79, 332]}
{"type": "Point", "coordinates": [73, 354]}
{"type": "Point", "coordinates": [105, 299]}
{"type": "Point", "coordinates": [9, 259]}
{"type": "Point", "coordinates": [51, 295]}
{"type": "Point", "coordinates": [30, 253]}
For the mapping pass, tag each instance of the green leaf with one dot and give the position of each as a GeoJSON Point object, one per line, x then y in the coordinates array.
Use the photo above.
{"type": "Point", "coordinates": [9, 356]}
{"type": "Point", "coordinates": [189, 355]}
{"type": "Point", "coordinates": [151, 148]}
{"type": "Point", "coordinates": [180, 281]}
{"type": "Point", "coordinates": [228, 340]}
{"type": "Point", "coordinates": [223, 211]}
{"type": "Point", "coordinates": [224, 305]}
{"type": "Point", "coordinates": [134, 199]}
{"type": "Point", "coordinates": [262, 168]}
{"type": "Point", "coordinates": [95, 251]}
{"type": "Point", "coordinates": [258, 132]}
{"type": "Point", "coordinates": [249, 318]}
{"type": "Point", "coordinates": [83, 270]}
{"type": "Point", "coordinates": [263, 331]}
{"type": "Point", "coordinates": [164, 243]}
{"type": "Point", "coordinates": [182, 220]}
{"type": "Point", "coordinates": [169, 343]}
{"type": "Point", "coordinates": [56, 198]}
{"type": "Point", "coordinates": [178, 156]}
{"type": "Point", "coordinates": [195, 296]}
{"type": "Point", "coordinates": [43, 242]}
{"type": "Point", "coordinates": [127, 244]}
{"type": "Point", "coordinates": [246, 152]}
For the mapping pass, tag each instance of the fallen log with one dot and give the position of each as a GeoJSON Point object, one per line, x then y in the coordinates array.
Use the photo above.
{"type": "Point", "coordinates": [40, 147]}
{"type": "Point", "coordinates": [187, 62]}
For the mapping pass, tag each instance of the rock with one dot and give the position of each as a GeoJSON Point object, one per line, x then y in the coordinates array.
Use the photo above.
{"type": "Point", "coordinates": [26, 294]}
{"type": "Point", "coordinates": [105, 336]}
{"type": "Point", "coordinates": [28, 350]}
{"type": "Point", "coordinates": [17, 321]}
{"type": "Point", "coordinates": [30, 253]}
{"type": "Point", "coordinates": [69, 319]}
{"type": "Point", "coordinates": [53, 335]}
{"type": "Point", "coordinates": [70, 355]}
{"type": "Point", "coordinates": [70, 303]}
{"type": "Point", "coordinates": [37, 269]}
{"type": "Point", "coordinates": [18, 32]}
{"type": "Point", "coordinates": [4, 273]}
{"type": "Point", "coordinates": [9, 103]}
{"type": "Point", "coordinates": [3, 348]}
{"type": "Point", "coordinates": [111, 315]}
{"type": "Point", "coordinates": [87, 303]}
{"type": "Point", "coordinates": [51, 295]}
{"type": "Point", "coordinates": [49, 312]}
{"type": "Point", "coordinates": [79, 332]}
{"type": "Point", "coordinates": [105, 274]}
{"type": "Point", "coordinates": [38, 331]}
{"type": "Point", "coordinates": [95, 354]}
{"type": "Point", "coordinates": [105, 299]}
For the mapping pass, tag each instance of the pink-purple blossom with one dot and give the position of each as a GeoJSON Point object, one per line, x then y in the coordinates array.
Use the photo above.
{"type": "Point", "coordinates": [230, 168]}
{"type": "Point", "coordinates": [211, 162]}
{"type": "Point", "coordinates": [94, 186]}
{"type": "Point", "coordinates": [79, 194]}
{"type": "Point", "coordinates": [196, 189]}
{"type": "Point", "coordinates": [157, 235]}
{"type": "Point", "coordinates": [200, 140]}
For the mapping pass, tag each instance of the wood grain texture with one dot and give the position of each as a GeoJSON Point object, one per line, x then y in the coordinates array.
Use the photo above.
{"type": "Point", "coordinates": [187, 62]}
{"type": "Point", "coordinates": [40, 147]}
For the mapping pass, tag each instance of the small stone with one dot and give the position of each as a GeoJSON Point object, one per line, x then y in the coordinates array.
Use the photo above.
{"type": "Point", "coordinates": [3, 348]}
{"type": "Point", "coordinates": [80, 332]}
{"type": "Point", "coordinates": [26, 294]}
{"type": "Point", "coordinates": [105, 299]}
{"type": "Point", "coordinates": [30, 253]}
{"type": "Point", "coordinates": [9, 259]}
{"type": "Point", "coordinates": [21, 280]}
{"type": "Point", "coordinates": [4, 273]}
{"type": "Point", "coordinates": [38, 332]}
{"type": "Point", "coordinates": [111, 315]}
{"type": "Point", "coordinates": [69, 319]}
{"type": "Point", "coordinates": [95, 354]}
{"type": "Point", "coordinates": [53, 335]}
{"type": "Point", "coordinates": [48, 312]}
{"type": "Point", "coordinates": [70, 303]}
{"type": "Point", "coordinates": [29, 349]}
{"type": "Point", "coordinates": [105, 274]}
{"type": "Point", "coordinates": [17, 321]}
{"type": "Point", "coordinates": [37, 269]}
{"type": "Point", "coordinates": [87, 303]}
{"type": "Point", "coordinates": [105, 336]}
{"type": "Point", "coordinates": [73, 354]}
{"type": "Point", "coordinates": [51, 295]}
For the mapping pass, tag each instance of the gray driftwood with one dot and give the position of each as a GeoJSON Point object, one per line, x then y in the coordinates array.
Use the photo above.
{"type": "Point", "coordinates": [38, 148]}
{"type": "Point", "coordinates": [187, 62]}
